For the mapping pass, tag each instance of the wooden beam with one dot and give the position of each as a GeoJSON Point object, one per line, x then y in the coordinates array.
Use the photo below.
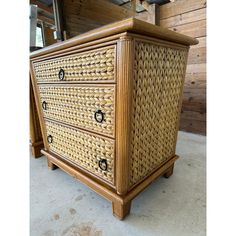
{"type": "Point", "coordinates": [46, 19]}
{"type": "Point", "coordinates": [152, 15]}
{"type": "Point", "coordinates": [59, 22]}
{"type": "Point", "coordinates": [42, 6]}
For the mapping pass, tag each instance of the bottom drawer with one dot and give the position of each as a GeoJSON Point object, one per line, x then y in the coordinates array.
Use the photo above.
{"type": "Point", "coordinates": [91, 152]}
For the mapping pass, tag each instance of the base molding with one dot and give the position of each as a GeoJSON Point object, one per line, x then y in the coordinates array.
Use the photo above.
{"type": "Point", "coordinates": [120, 204]}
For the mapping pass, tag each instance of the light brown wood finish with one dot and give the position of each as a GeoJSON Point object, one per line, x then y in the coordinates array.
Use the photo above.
{"type": "Point", "coordinates": [185, 18]}
{"type": "Point", "coordinates": [121, 194]}
{"type": "Point", "coordinates": [125, 60]}
{"type": "Point", "coordinates": [121, 205]}
{"type": "Point", "coordinates": [180, 6]}
{"type": "Point", "coordinates": [195, 29]}
{"type": "Point", "coordinates": [121, 210]}
{"type": "Point", "coordinates": [169, 171]}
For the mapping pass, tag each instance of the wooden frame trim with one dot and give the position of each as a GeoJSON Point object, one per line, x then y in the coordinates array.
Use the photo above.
{"type": "Point", "coordinates": [146, 182]}
{"type": "Point", "coordinates": [104, 191]}
{"type": "Point", "coordinates": [125, 54]}
{"type": "Point", "coordinates": [96, 178]}
{"type": "Point", "coordinates": [180, 102]}
{"type": "Point", "coordinates": [79, 47]}
{"type": "Point", "coordinates": [85, 82]}
{"type": "Point", "coordinates": [67, 53]}
{"type": "Point", "coordinates": [87, 131]}
{"type": "Point", "coordinates": [163, 43]}
{"type": "Point", "coordinates": [99, 188]}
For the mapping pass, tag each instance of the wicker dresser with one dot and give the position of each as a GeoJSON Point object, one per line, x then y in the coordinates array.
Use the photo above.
{"type": "Point", "coordinates": [109, 103]}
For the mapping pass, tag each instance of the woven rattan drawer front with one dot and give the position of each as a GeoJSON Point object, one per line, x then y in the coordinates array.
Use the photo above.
{"type": "Point", "coordinates": [76, 105]}
{"type": "Point", "coordinates": [82, 148]}
{"type": "Point", "coordinates": [94, 65]}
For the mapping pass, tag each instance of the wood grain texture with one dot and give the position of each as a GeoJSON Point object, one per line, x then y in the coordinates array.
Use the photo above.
{"type": "Point", "coordinates": [180, 6]}
{"type": "Point", "coordinates": [195, 29]}
{"type": "Point", "coordinates": [197, 56]}
{"type": "Point", "coordinates": [184, 18]}
{"type": "Point", "coordinates": [81, 16]}
{"type": "Point", "coordinates": [125, 54]}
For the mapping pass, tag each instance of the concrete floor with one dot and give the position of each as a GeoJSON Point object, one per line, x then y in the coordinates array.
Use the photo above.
{"type": "Point", "coordinates": [62, 206]}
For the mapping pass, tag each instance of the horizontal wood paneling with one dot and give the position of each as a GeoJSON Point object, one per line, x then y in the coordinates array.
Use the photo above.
{"type": "Point", "coordinates": [184, 18]}
{"type": "Point", "coordinates": [196, 80]}
{"type": "Point", "coordinates": [193, 126]}
{"type": "Point", "coordinates": [81, 16]}
{"type": "Point", "coordinates": [197, 56]}
{"type": "Point", "coordinates": [195, 29]}
{"type": "Point", "coordinates": [202, 43]}
{"type": "Point", "coordinates": [180, 6]}
{"type": "Point", "coordinates": [189, 17]}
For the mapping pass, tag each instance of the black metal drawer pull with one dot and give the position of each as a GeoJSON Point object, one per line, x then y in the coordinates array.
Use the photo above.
{"type": "Point", "coordinates": [102, 164]}
{"type": "Point", "coordinates": [44, 105]}
{"type": "Point", "coordinates": [99, 116]}
{"type": "Point", "coordinates": [49, 138]}
{"type": "Point", "coordinates": [61, 74]}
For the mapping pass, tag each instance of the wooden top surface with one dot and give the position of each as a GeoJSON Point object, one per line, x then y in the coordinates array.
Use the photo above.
{"type": "Point", "coordinates": [132, 25]}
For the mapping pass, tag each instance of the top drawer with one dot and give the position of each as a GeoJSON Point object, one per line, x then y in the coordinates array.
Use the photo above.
{"type": "Point", "coordinates": [94, 65]}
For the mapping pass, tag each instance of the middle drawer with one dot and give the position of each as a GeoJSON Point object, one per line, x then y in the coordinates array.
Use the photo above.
{"type": "Point", "coordinates": [87, 107]}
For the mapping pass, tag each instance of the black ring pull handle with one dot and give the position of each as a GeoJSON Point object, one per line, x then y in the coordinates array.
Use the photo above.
{"type": "Point", "coordinates": [99, 116]}
{"type": "Point", "coordinates": [102, 164]}
{"type": "Point", "coordinates": [61, 74]}
{"type": "Point", "coordinates": [44, 105]}
{"type": "Point", "coordinates": [49, 138]}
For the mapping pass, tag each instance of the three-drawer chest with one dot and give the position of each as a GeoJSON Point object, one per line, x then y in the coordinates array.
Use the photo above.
{"type": "Point", "coordinates": [109, 103]}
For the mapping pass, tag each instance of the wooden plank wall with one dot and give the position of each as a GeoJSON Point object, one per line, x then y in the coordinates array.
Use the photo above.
{"type": "Point", "coordinates": [83, 15]}
{"type": "Point", "coordinates": [189, 17]}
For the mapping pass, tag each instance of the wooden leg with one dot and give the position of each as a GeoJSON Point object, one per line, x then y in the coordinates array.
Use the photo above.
{"type": "Point", "coordinates": [121, 210]}
{"type": "Point", "coordinates": [36, 149]}
{"type": "Point", "coordinates": [51, 165]}
{"type": "Point", "coordinates": [169, 172]}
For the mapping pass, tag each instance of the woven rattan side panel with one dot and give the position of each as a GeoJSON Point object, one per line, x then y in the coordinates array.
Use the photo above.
{"type": "Point", "coordinates": [76, 105]}
{"type": "Point", "coordinates": [158, 80]}
{"type": "Point", "coordinates": [91, 65]}
{"type": "Point", "coordinates": [83, 149]}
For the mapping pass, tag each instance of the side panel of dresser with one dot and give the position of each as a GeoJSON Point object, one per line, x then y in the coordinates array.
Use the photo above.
{"type": "Point", "coordinates": [159, 72]}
